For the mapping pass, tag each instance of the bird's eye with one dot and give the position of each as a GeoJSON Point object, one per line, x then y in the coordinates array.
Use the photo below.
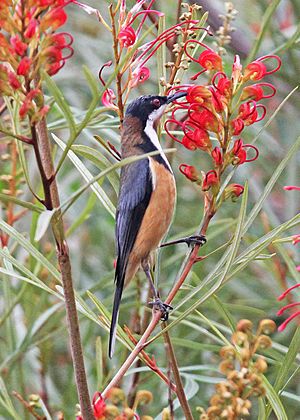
{"type": "Point", "coordinates": [156, 103]}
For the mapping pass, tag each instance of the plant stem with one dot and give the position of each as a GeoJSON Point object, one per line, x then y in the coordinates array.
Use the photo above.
{"type": "Point", "coordinates": [179, 387]}
{"type": "Point", "coordinates": [45, 164]}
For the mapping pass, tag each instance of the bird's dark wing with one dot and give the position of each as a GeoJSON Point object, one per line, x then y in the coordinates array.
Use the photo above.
{"type": "Point", "coordinates": [134, 197]}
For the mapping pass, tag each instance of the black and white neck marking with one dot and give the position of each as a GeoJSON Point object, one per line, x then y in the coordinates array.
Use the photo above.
{"type": "Point", "coordinates": [152, 135]}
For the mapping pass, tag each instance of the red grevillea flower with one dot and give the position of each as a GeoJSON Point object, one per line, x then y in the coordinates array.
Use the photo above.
{"type": "Point", "coordinates": [237, 126]}
{"type": "Point", "coordinates": [290, 305]}
{"type": "Point", "coordinates": [210, 60]}
{"type": "Point", "coordinates": [197, 139]}
{"type": "Point", "coordinates": [291, 188]}
{"type": "Point", "coordinates": [31, 28]}
{"type": "Point", "coordinates": [139, 75]}
{"type": "Point", "coordinates": [24, 66]}
{"type": "Point", "coordinates": [108, 98]}
{"type": "Point", "coordinates": [198, 94]}
{"type": "Point", "coordinates": [233, 191]}
{"type": "Point", "coordinates": [13, 80]}
{"type": "Point", "coordinates": [222, 84]}
{"type": "Point", "coordinates": [257, 69]}
{"type": "Point", "coordinates": [19, 47]}
{"type": "Point", "coordinates": [210, 180]}
{"type": "Point", "coordinates": [257, 92]}
{"type": "Point", "coordinates": [249, 114]}
{"type": "Point", "coordinates": [127, 36]}
{"type": "Point", "coordinates": [54, 18]}
{"type": "Point", "coordinates": [190, 172]}
{"type": "Point", "coordinates": [217, 156]}
{"type": "Point", "coordinates": [205, 119]}
{"type": "Point", "coordinates": [240, 154]}
{"type": "Point", "coordinates": [98, 405]}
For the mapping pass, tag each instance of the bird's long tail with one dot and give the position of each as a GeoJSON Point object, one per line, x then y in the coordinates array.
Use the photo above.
{"type": "Point", "coordinates": [115, 315]}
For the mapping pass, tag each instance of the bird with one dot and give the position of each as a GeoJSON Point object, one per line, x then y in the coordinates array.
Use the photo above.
{"type": "Point", "coordinates": [146, 200]}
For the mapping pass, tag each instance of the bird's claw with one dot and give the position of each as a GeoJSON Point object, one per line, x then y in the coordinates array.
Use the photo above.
{"type": "Point", "coordinates": [164, 308]}
{"type": "Point", "coordinates": [195, 240]}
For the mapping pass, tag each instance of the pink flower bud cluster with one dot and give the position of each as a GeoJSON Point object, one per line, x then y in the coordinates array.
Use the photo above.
{"type": "Point", "coordinates": [220, 111]}
{"type": "Point", "coordinates": [28, 44]}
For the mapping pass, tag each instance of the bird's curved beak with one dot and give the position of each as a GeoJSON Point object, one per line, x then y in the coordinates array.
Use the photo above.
{"type": "Point", "coordinates": [174, 96]}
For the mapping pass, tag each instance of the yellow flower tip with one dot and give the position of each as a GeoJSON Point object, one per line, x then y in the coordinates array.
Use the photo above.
{"type": "Point", "coordinates": [143, 397]}
{"type": "Point", "coordinates": [166, 415]}
{"type": "Point", "coordinates": [129, 413]}
{"type": "Point", "coordinates": [111, 412]}
{"type": "Point", "coordinates": [226, 366]}
{"type": "Point", "coordinates": [267, 326]}
{"type": "Point", "coordinates": [244, 325]}
{"type": "Point", "coordinates": [264, 342]}
{"type": "Point", "coordinates": [261, 365]}
{"type": "Point", "coordinates": [116, 395]}
{"type": "Point", "coordinates": [228, 352]}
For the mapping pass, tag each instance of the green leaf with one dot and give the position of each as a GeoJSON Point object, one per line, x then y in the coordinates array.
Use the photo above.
{"type": "Point", "coordinates": [43, 223]}
{"type": "Point", "coordinates": [100, 193]}
{"type": "Point", "coordinates": [61, 102]}
{"type": "Point", "coordinates": [21, 240]}
{"type": "Point", "coordinates": [278, 171]}
{"type": "Point", "coordinates": [274, 400]}
{"type": "Point", "coordinates": [286, 366]}
{"type": "Point", "coordinates": [274, 114]}
{"type": "Point", "coordinates": [92, 82]}
{"type": "Point", "coordinates": [98, 159]}
{"type": "Point", "coordinates": [266, 19]}
{"type": "Point", "coordinates": [6, 402]}
{"type": "Point", "coordinates": [27, 205]}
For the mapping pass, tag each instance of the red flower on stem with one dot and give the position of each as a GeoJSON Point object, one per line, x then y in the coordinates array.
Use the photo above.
{"type": "Point", "coordinates": [257, 69]}
{"type": "Point", "coordinates": [211, 180]}
{"type": "Point", "coordinates": [190, 172]}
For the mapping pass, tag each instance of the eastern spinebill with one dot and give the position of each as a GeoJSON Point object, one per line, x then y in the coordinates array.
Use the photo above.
{"type": "Point", "coordinates": [146, 198]}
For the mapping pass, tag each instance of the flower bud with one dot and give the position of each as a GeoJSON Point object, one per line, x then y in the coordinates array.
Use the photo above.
{"type": "Point", "coordinates": [116, 395]}
{"type": "Point", "coordinates": [166, 414]}
{"type": "Point", "coordinates": [111, 412]}
{"type": "Point", "coordinates": [261, 365]}
{"type": "Point", "coordinates": [264, 342]}
{"type": "Point", "coordinates": [211, 180]}
{"type": "Point", "coordinates": [216, 154]}
{"type": "Point", "coordinates": [190, 172]}
{"type": "Point", "coordinates": [24, 66]}
{"type": "Point", "coordinates": [228, 352]}
{"type": "Point", "coordinates": [267, 326]}
{"type": "Point", "coordinates": [143, 397]}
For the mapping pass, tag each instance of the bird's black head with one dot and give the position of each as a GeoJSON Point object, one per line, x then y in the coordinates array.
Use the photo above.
{"type": "Point", "coordinates": [151, 106]}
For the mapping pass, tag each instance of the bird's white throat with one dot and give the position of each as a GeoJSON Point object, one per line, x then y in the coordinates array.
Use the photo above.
{"type": "Point", "coordinates": [152, 134]}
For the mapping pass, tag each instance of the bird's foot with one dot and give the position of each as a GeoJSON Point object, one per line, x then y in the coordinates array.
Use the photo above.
{"type": "Point", "coordinates": [195, 240]}
{"type": "Point", "coordinates": [189, 240]}
{"type": "Point", "coordinates": [164, 308]}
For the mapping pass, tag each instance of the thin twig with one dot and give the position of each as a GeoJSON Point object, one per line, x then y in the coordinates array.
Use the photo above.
{"type": "Point", "coordinates": [180, 391]}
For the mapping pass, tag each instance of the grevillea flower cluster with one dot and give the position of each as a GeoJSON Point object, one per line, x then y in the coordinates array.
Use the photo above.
{"type": "Point", "coordinates": [126, 28]}
{"type": "Point", "coordinates": [115, 406]}
{"type": "Point", "coordinates": [214, 115]}
{"type": "Point", "coordinates": [243, 368]}
{"type": "Point", "coordinates": [29, 43]}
